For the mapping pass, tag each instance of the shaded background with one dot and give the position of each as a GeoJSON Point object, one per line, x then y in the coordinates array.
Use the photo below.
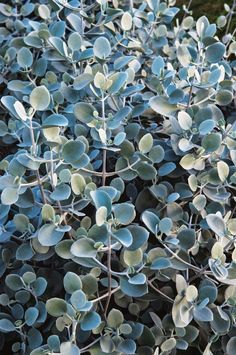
{"type": "Point", "coordinates": [210, 8]}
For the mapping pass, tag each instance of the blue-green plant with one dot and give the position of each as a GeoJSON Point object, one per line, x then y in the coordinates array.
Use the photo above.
{"type": "Point", "coordinates": [117, 215]}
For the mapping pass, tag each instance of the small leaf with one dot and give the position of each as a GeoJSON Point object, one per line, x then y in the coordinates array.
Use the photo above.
{"type": "Point", "coordinates": [102, 48]}
{"type": "Point", "coordinates": [166, 169]}
{"type": "Point", "coordinates": [160, 263]}
{"type": "Point", "coordinates": [181, 284]}
{"type": "Point", "coordinates": [126, 21]}
{"type": "Point", "coordinates": [100, 80]}
{"type": "Point", "coordinates": [63, 249]}
{"type": "Point", "coordinates": [124, 213]}
{"type": "Point", "coordinates": [127, 346]}
{"type": "Point", "coordinates": [217, 224]}
{"type": "Point", "coordinates": [118, 81]}
{"type": "Point", "coordinates": [90, 321]}
{"type": "Point", "coordinates": [101, 215]}
{"type": "Point", "coordinates": [199, 202]}
{"type": "Point", "coordinates": [101, 198]}
{"type": "Point", "coordinates": [158, 65]}
{"type": "Point", "coordinates": [6, 326]}
{"type": "Point", "coordinates": [24, 252]}
{"type": "Point", "coordinates": [49, 236]}
{"type": "Point", "coordinates": [14, 282]}
{"type": "Point", "coordinates": [56, 307]}
{"type": "Point", "coordinates": [31, 315]}
{"type": "Point", "coordinates": [78, 183]}
{"type": "Point", "coordinates": [84, 248]}
{"type": "Point", "coordinates": [20, 110]}
{"type": "Point", "coordinates": [215, 52]}
{"type": "Point", "coordinates": [68, 348]}
{"type": "Point", "coordinates": [185, 121]}
{"type": "Point", "coordinates": [151, 221]}
{"type": "Point", "coordinates": [21, 222]}
{"type": "Point", "coordinates": [183, 55]}
{"type": "Point", "coordinates": [9, 196]}
{"type": "Point", "coordinates": [40, 98]}
{"type": "Point", "coordinates": [191, 293]}
{"type": "Point", "coordinates": [157, 154]}
{"type": "Point", "coordinates": [168, 345]}
{"type": "Point", "coordinates": [55, 120]}
{"type": "Point", "coordinates": [119, 138]}
{"type": "Point", "coordinates": [72, 150]}
{"type": "Point", "coordinates": [72, 282]}
{"type": "Point", "coordinates": [161, 105]}
{"type": "Point", "coordinates": [48, 213]}
{"type": "Point", "coordinates": [44, 12]}
{"type": "Point", "coordinates": [223, 170]}
{"type": "Point", "coordinates": [74, 41]}
{"type": "Point", "coordinates": [217, 251]}
{"type": "Point", "coordinates": [133, 257]}
{"type": "Point", "coordinates": [165, 225]}
{"type": "Point", "coordinates": [78, 299]}
{"type": "Point", "coordinates": [132, 290]}
{"type": "Point", "coordinates": [203, 315]}
{"type": "Point", "coordinates": [115, 318]}
{"type": "Point", "coordinates": [84, 112]}
{"type": "Point", "coordinates": [206, 126]}
{"type": "Point", "coordinates": [186, 238]}
{"type": "Point", "coordinates": [145, 143]}
{"type": "Point", "coordinates": [124, 236]}
{"type": "Point", "coordinates": [82, 81]}
{"type": "Point", "coordinates": [188, 161]}
{"type": "Point", "coordinates": [24, 58]}
{"type": "Point", "coordinates": [224, 97]}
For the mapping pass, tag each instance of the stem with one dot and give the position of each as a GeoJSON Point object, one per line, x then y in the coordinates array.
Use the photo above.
{"type": "Point", "coordinates": [105, 295]}
{"type": "Point", "coordinates": [35, 182]}
{"type": "Point", "coordinates": [161, 293]}
{"type": "Point", "coordinates": [89, 345]}
{"type": "Point", "coordinates": [195, 268]}
{"type": "Point", "coordinates": [108, 275]}
{"type": "Point", "coordinates": [190, 94]}
{"type": "Point", "coordinates": [230, 17]}
{"type": "Point", "coordinates": [41, 188]}
{"type": "Point", "coordinates": [73, 335]}
{"type": "Point", "coordinates": [34, 146]}
{"type": "Point", "coordinates": [104, 158]}
{"type": "Point", "coordinates": [104, 153]}
{"type": "Point", "coordinates": [112, 173]}
{"type": "Point", "coordinates": [203, 100]}
{"type": "Point", "coordinates": [103, 267]}
{"type": "Point", "coordinates": [34, 151]}
{"type": "Point", "coordinates": [52, 183]}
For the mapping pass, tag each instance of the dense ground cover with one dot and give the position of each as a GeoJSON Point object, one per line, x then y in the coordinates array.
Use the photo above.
{"type": "Point", "coordinates": [118, 178]}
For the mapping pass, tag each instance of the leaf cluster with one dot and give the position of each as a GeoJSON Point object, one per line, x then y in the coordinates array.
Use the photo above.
{"type": "Point", "coordinates": [117, 214]}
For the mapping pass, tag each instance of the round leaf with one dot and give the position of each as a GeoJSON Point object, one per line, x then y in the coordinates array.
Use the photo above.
{"type": "Point", "coordinates": [101, 48]}
{"type": "Point", "coordinates": [126, 21]}
{"type": "Point", "coordinates": [40, 98]}
{"type": "Point", "coordinates": [24, 58]}
{"type": "Point", "coordinates": [145, 143]}
{"type": "Point", "coordinates": [56, 307]}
